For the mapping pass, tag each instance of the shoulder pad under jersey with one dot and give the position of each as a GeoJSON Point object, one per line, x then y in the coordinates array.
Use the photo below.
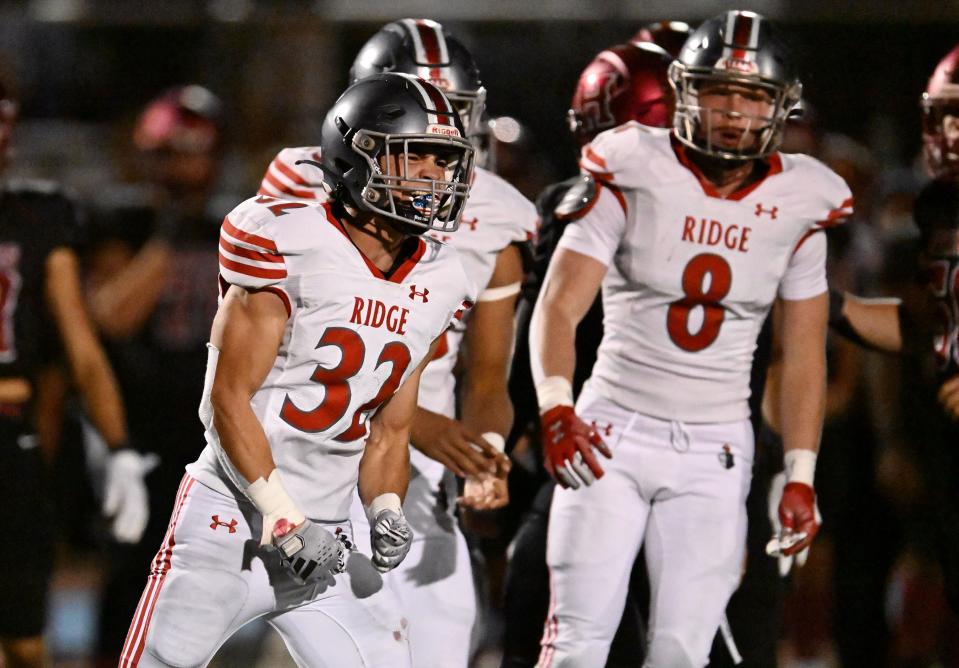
{"type": "Point", "coordinates": [578, 200]}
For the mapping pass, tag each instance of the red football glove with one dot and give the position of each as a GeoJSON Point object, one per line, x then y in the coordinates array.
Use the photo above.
{"type": "Point", "coordinates": [568, 444]}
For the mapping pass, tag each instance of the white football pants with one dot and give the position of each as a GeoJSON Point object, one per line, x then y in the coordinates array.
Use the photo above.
{"type": "Point", "coordinates": [211, 577]}
{"type": "Point", "coordinates": [677, 488]}
{"type": "Point", "coordinates": [435, 582]}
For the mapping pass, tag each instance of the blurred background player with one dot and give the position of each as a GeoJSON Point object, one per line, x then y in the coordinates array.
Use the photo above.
{"type": "Point", "coordinates": [626, 82]}
{"type": "Point", "coordinates": [279, 469]}
{"type": "Point", "coordinates": [925, 323]}
{"type": "Point", "coordinates": [683, 447]}
{"type": "Point", "coordinates": [152, 289]}
{"type": "Point", "coordinates": [44, 319]}
{"type": "Point", "coordinates": [435, 582]}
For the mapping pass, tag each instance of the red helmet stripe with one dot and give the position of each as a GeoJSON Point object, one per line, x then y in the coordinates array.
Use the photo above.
{"type": "Point", "coordinates": [440, 103]}
{"type": "Point", "coordinates": [743, 34]}
{"type": "Point", "coordinates": [430, 39]}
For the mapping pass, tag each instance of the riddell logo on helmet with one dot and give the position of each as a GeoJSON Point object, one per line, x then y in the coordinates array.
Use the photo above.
{"type": "Point", "coordinates": [737, 65]}
{"type": "Point", "coordinates": [446, 130]}
{"type": "Point", "coordinates": [440, 82]}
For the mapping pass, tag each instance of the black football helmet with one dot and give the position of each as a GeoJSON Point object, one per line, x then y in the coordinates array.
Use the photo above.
{"type": "Point", "coordinates": [423, 48]}
{"type": "Point", "coordinates": [367, 137]}
{"type": "Point", "coordinates": [741, 48]}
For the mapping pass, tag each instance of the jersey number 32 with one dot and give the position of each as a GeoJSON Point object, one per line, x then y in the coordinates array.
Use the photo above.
{"type": "Point", "coordinates": [337, 382]}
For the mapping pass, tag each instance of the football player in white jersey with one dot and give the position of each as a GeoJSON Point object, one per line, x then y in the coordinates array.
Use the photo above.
{"type": "Point", "coordinates": [694, 233]}
{"type": "Point", "coordinates": [435, 582]}
{"type": "Point", "coordinates": [329, 313]}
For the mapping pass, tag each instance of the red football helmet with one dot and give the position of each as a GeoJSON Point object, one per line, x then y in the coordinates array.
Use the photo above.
{"type": "Point", "coordinates": [940, 118]}
{"type": "Point", "coordinates": [626, 82]}
{"type": "Point", "coordinates": [670, 35]}
{"type": "Point", "coordinates": [183, 119]}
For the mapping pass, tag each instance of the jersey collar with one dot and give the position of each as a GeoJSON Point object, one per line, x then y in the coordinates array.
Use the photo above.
{"type": "Point", "coordinates": [400, 270]}
{"type": "Point", "coordinates": [773, 165]}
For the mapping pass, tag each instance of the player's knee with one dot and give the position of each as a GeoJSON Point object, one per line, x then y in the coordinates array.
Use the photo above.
{"type": "Point", "coordinates": [196, 613]}
{"type": "Point", "coordinates": [667, 650]}
{"type": "Point", "coordinates": [24, 652]}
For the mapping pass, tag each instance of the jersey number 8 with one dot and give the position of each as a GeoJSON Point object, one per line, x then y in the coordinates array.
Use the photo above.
{"type": "Point", "coordinates": [677, 317]}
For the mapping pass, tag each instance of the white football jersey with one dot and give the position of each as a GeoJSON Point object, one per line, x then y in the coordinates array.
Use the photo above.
{"type": "Point", "coordinates": [496, 215]}
{"type": "Point", "coordinates": [691, 275]}
{"type": "Point", "coordinates": [353, 337]}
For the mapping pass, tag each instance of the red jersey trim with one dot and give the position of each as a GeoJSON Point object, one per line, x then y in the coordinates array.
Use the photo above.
{"type": "Point", "coordinates": [282, 187]}
{"type": "Point", "coordinates": [251, 239]}
{"type": "Point", "coordinates": [401, 272]}
{"type": "Point", "coordinates": [250, 270]}
{"type": "Point", "coordinates": [289, 172]}
{"type": "Point", "coordinates": [774, 164]}
{"type": "Point", "coordinates": [285, 298]}
{"type": "Point", "coordinates": [250, 254]}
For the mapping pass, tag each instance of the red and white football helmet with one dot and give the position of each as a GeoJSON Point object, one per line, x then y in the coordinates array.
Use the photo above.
{"type": "Point", "coordinates": [669, 35]}
{"type": "Point", "coordinates": [940, 118]}
{"type": "Point", "coordinates": [184, 119]}
{"type": "Point", "coordinates": [626, 82]}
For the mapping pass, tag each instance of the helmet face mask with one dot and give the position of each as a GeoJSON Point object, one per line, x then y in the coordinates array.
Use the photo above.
{"type": "Point", "coordinates": [748, 124]}
{"type": "Point", "coordinates": [392, 145]}
{"type": "Point", "coordinates": [736, 54]}
{"type": "Point", "coordinates": [395, 192]}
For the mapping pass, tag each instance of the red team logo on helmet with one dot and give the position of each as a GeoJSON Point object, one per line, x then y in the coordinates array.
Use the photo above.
{"type": "Point", "coordinates": [624, 83]}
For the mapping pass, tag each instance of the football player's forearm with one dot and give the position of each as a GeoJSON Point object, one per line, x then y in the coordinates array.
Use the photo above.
{"type": "Point", "coordinates": [123, 303]}
{"type": "Point", "coordinates": [486, 405]}
{"type": "Point", "coordinates": [868, 322]}
{"type": "Point", "coordinates": [385, 466]}
{"type": "Point", "coordinates": [552, 343]}
{"type": "Point", "coordinates": [803, 401]}
{"type": "Point", "coordinates": [242, 437]}
{"type": "Point", "coordinates": [101, 398]}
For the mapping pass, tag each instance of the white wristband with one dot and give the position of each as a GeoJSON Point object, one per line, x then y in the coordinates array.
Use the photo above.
{"type": "Point", "coordinates": [502, 292]}
{"type": "Point", "coordinates": [800, 466]}
{"type": "Point", "coordinates": [554, 391]}
{"type": "Point", "coordinates": [270, 498]}
{"type": "Point", "coordinates": [496, 440]}
{"type": "Point", "coordinates": [387, 501]}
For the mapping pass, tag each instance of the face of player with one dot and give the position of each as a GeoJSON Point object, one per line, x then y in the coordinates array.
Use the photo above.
{"type": "Point", "coordinates": [420, 163]}
{"type": "Point", "coordinates": [734, 114]}
{"type": "Point", "coordinates": [184, 172]}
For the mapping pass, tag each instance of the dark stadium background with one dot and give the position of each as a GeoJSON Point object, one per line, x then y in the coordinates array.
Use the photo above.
{"type": "Point", "coordinates": [85, 68]}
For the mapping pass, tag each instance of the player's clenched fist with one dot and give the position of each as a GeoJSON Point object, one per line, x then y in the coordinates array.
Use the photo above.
{"type": "Point", "coordinates": [797, 514]}
{"type": "Point", "coordinates": [390, 533]}
{"type": "Point", "coordinates": [568, 444]}
{"type": "Point", "coordinates": [311, 552]}
{"type": "Point", "coordinates": [793, 511]}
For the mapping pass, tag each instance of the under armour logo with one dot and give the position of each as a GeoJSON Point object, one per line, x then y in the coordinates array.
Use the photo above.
{"type": "Point", "coordinates": [760, 211]}
{"type": "Point", "coordinates": [726, 457]}
{"type": "Point", "coordinates": [472, 224]}
{"type": "Point", "coordinates": [231, 525]}
{"type": "Point", "coordinates": [422, 295]}
{"type": "Point", "coordinates": [607, 430]}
